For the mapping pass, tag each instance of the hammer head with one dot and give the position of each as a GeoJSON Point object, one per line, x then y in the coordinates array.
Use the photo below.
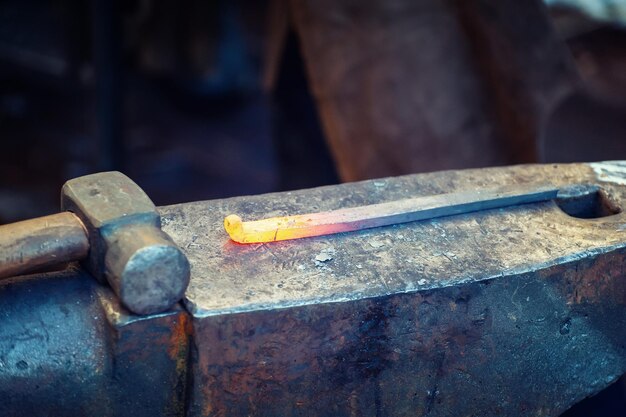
{"type": "Point", "coordinates": [145, 268]}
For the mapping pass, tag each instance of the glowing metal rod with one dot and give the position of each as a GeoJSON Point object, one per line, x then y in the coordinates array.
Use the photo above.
{"type": "Point", "coordinates": [383, 214]}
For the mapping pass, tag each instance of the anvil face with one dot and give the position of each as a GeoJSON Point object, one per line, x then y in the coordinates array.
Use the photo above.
{"type": "Point", "coordinates": [516, 311]}
{"type": "Point", "coordinates": [229, 277]}
{"type": "Point", "coordinates": [506, 311]}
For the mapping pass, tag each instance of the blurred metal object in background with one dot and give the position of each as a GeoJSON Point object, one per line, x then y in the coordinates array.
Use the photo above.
{"type": "Point", "coordinates": [412, 86]}
{"type": "Point", "coordinates": [607, 11]}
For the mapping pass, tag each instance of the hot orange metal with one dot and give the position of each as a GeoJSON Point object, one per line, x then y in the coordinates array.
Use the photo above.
{"type": "Point", "coordinates": [383, 214]}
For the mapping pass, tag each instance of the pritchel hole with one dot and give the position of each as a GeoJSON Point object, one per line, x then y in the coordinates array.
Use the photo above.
{"type": "Point", "coordinates": [587, 202]}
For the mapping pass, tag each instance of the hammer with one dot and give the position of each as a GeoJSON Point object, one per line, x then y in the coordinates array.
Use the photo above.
{"type": "Point", "coordinates": [112, 226]}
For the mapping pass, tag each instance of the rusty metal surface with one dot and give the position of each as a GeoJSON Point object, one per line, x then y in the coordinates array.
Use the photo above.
{"type": "Point", "coordinates": [516, 311]}
{"type": "Point", "coordinates": [144, 267]}
{"type": "Point", "coordinates": [105, 201]}
{"type": "Point", "coordinates": [67, 348]}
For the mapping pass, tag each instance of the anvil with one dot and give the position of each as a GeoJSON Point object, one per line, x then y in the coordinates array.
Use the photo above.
{"type": "Point", "coordinates": [513, 311]}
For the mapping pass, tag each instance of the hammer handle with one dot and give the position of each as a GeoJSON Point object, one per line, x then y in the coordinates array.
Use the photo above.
{"type": "Point", "coordinates": [32, 245]}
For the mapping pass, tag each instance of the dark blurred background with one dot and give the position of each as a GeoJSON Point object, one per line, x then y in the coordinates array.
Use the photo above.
{"type": "Point", "coordinates": [169, 94]}
{"type": "Point", "coordinates": [207, 99]}
{"type": "Point", "coordinates": [211, 99]}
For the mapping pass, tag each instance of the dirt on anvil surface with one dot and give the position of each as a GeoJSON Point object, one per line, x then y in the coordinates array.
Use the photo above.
{"type": "Point", "coordinates": [407, 257]}
{"type": "Point", "coordinates": [496, 279]}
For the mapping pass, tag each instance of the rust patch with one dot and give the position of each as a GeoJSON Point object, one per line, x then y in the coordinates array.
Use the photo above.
{"type": "Point", "coordinates": [178, 352]}
{"type": "Point", "coordinates": [595, 280]}
{"type": "Point", "coordinates": [179, 338]}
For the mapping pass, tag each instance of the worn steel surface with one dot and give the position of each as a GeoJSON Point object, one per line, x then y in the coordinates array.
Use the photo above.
{"type": "Point", "coordinates": [142, 264]}
{"type": "Point", "coordinates": [111, 225]}
{"type": "Point", "coordinates": [67, 348]}
{"type": "Point", "coordinates": [516, 311]}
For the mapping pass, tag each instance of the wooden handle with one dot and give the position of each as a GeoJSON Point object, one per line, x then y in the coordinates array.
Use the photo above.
{"type": "Point", "coordinates": [35, 244]}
